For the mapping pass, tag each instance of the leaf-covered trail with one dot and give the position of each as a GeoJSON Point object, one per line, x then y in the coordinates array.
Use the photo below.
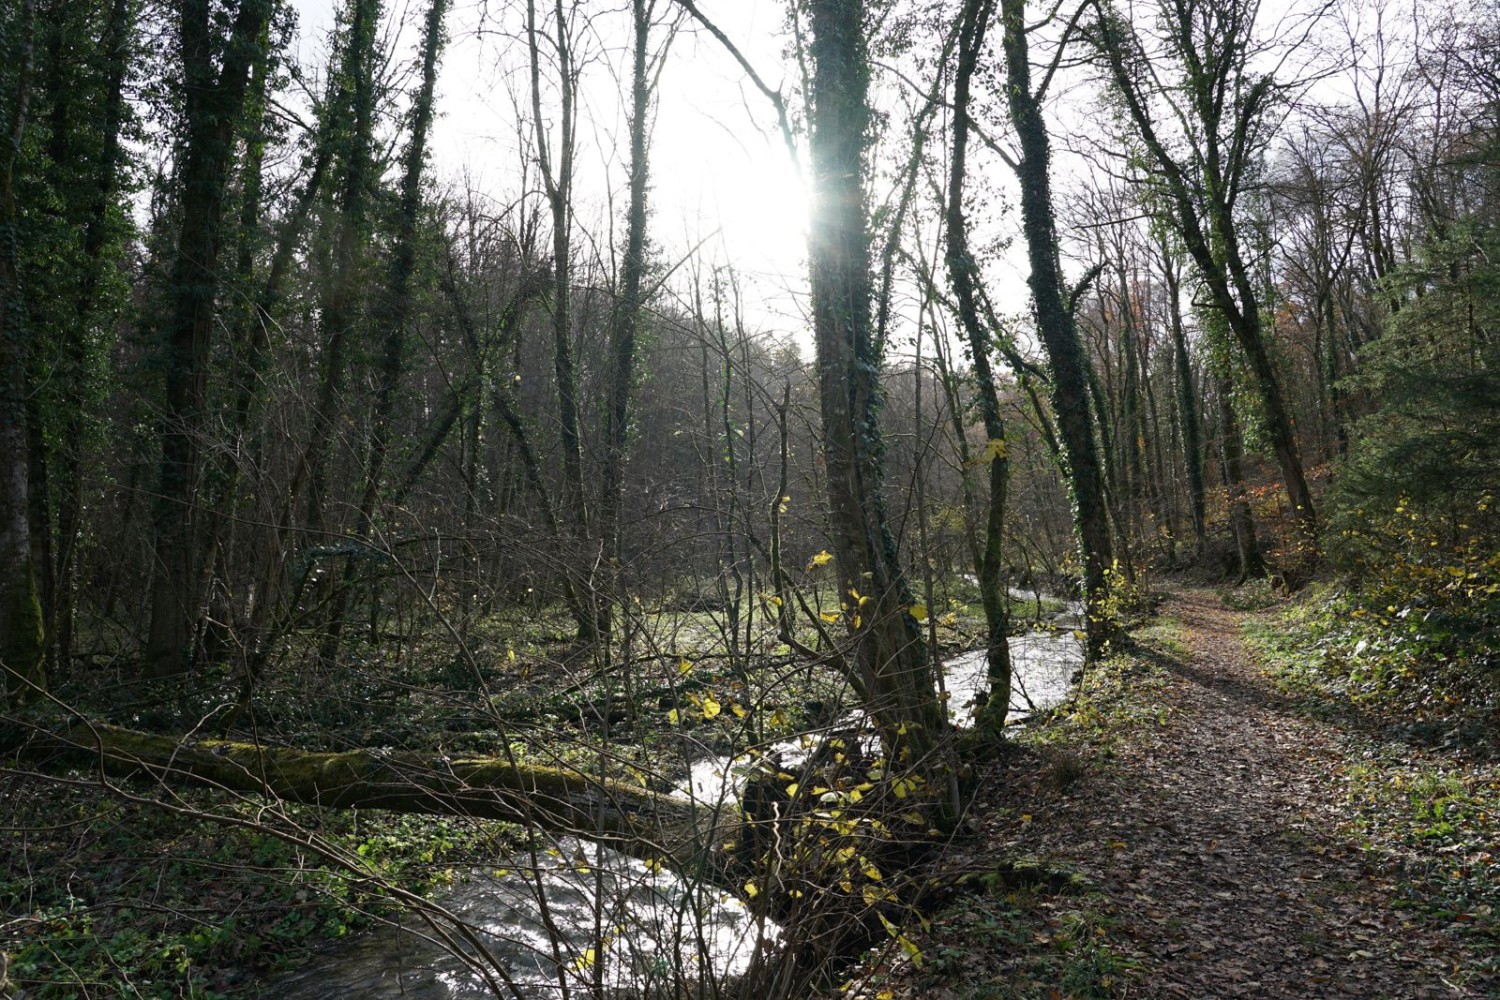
{"type": "Point", "coordinates": [1206, 823]}
{"type": "Point", "coordinates": [1222, 857]}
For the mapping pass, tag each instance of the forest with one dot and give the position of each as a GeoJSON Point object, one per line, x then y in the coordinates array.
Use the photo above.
{"type": "Point", "coordinates": [749, 498]}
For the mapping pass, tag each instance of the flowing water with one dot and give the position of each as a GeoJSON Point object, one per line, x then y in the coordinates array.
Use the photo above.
{"type": "Point", "coordinates": [539, 917]}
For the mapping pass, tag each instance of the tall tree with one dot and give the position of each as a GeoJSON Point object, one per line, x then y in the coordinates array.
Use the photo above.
{"type": "Point", "coordinates": [1222, 104]}
{"type": "Point", "coordinates": [395, 311]}
{"type": "Point", "coordinates": [341, 302]}
{"type": "Point", "coordinates": [628, 309]}
{"type": "Point", "coordinates": [1187, 392]}
{"type": "Point", "coordinates": [21, 638]}
{"type": "Point", "coordinates": [1056, 325]}
{"type": "Point", "coordinates": [555, 159]}
{"type": "Point", "coordinates": [886, 666]}
{"type": "Point", "coordinates": [91, 207]}
{"type": "Point", "coordinates": [216, 66]}
{"type": "Point", "coordinates": [964, 279]}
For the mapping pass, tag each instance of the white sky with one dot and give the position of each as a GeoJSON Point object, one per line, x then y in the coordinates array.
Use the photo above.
{"type": "Point", "coordinates": [719, 171]}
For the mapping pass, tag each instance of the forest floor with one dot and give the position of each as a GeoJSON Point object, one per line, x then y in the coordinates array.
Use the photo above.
{"type": "Point", "coordinates": [1195, 825]}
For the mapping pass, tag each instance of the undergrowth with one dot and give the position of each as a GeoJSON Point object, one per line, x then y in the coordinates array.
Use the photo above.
{"type": "Point", "coordinates": [1421, 764]}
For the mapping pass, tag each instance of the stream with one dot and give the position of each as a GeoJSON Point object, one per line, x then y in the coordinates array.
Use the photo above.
{"type": "Point", "coordinates": [540, 916]}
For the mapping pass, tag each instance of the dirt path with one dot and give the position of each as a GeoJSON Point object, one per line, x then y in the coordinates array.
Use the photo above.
{"type": "Point", "coordinates": [1213, 830]}
{"type": "Point", "coordinates": [1229, 875]}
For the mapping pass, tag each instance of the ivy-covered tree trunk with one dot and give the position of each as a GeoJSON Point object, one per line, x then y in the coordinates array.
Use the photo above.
{"type": "Point", "coordinates": [626, 316]}
{"type": "Point", "coordinates": [1058, 330]}
{"type": "Point", "coordinates": [1241, 522]}
{"type": "Point", "coordinates": [90, 311]}
{"type": "Point", "coordinates": [1221, 103]}
{"type": "Point", "coordinates": [21, 639]}
{"type": "Point", "coordinates": [887, 668]}
{"type": "Point", "coordinates": [396, 309]}
{"type": "Point", "coordinates": [340, 302]}
{"type": "Point", "coordinates": [1187, 400]}
{"type": "Point", "coordinates": [963, 276]}
{"type": "Point", "coordinates": [216, 73]}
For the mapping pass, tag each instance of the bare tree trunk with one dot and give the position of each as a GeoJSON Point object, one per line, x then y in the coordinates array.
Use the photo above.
{"type": "Point", "coordinates": [557, 179]}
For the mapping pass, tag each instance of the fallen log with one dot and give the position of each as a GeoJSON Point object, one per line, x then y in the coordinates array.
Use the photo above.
{"type": "Point", "coordinates": [683, 835]}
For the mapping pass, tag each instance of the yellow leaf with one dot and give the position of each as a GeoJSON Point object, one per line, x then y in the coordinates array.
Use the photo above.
{"type": "Point", "coordinates": [829, 616]}
{"type": "Point", "coordinates": [510, 655]}
{"type": "Point", "coordinates": [870, 871]}
{"type": "Point", "coordinates": [652, 865]}
{"type": "Point", "coordinates": [585, 961]}
{"type": "Point", "coordinates": [752, 890]}
{"type": "Point", "coordinates": [791, 790]}
{"type": "Point", "coordinates": [821, 559]}
{"type": "Point", "coordinates": [919, 612]}
{"type": "Point", "coordinates": [738, 709]}
{"type": "Point", "coordinates": [684, 668]}
{"type": "Point", "coordinates": [711, 708]}
{"type": "Point", "coordinates": [674, 717]}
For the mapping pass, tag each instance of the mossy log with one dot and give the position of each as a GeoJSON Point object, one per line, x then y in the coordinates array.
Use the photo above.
{"type": "Point", "coordinates": [681, 834]}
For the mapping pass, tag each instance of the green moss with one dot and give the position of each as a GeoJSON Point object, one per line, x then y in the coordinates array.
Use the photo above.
{"type": "Point", "coordinates": [22, 640]}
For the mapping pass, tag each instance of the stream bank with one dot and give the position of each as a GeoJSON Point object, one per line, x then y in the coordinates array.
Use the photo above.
{"type": "Point", "coordinates": [1190, 826]}
{"type": "Point", "coordinates": [540, 917]}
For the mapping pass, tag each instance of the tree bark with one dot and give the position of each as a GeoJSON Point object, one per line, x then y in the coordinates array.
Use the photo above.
{"type": "Point", "coordinates": [686, 835]}
{"type": "Point", "coordinates": [214, 106]}
{"type": "Point", "coordinates": [1203, 195]}
{"type": "Point", "coordinates": [22, 647]}
{"type": "Point", "coordinates": [963, 276]}
{"type": "Point", "coordinates": [1058, 331]}
{"type": "Point", "coordinates": [1187, 401]}
{"type": "Point", "coordinates": [887, 667]}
